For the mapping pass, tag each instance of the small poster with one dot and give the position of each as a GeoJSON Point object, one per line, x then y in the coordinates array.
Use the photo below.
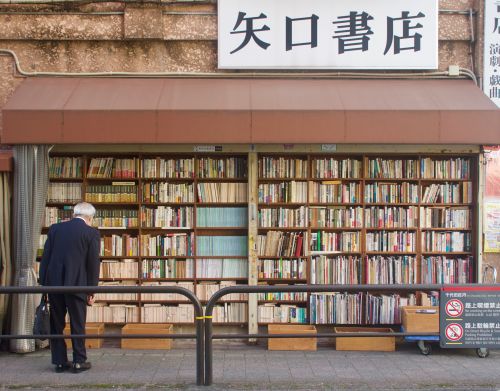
{"type": "Point", "coordinates": [492, 227]}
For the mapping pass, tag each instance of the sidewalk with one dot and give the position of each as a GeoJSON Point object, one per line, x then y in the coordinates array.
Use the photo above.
{"type": "Point", "coordinates": [255, 368]}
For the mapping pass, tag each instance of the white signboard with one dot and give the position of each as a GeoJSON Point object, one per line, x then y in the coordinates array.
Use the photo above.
{"type": "Point", "coordinates": [491, 83]}
{"type": "Point", "coordinates": [328, 34]}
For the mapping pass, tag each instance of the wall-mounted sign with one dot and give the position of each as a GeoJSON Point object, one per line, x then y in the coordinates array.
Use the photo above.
{"type": "Point", "coordinates": [491, 83]}
{"type": "Point", "coordinates": [325, 34]}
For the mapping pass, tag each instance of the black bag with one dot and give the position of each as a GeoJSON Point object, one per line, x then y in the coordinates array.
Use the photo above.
{"type": "Point", "coordinates": [42, 318]}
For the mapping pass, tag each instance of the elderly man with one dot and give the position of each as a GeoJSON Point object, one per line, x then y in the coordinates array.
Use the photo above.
{"type": "Point", "coordinates": [71, 258]}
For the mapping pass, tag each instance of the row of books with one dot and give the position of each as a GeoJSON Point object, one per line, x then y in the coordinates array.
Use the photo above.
{"type": "Point", "coordinates": [158, 313]}
{"type": "Point", "coordinates": [452, 168]}
{"type": "Point", "coordinates": [440, 217]}
{"type": "Point", "coordinates": [282, 268]}
{"type": "Point", "coordinates": [280, 244]}
{"type": "Point", "coordinates": [336, 168]}
{"type": "Point", "coordinates": [222, 192]}
{"type": "Point", "coordinates": [64, 192]}
{"type": "Point", "coordinates": [116, 218]}
{"type": "Point", "coordinates": [293, 191]}
{"type": "Point", "coordinates": [392, 168]}
{"type": "Point", "coordinates": [111, 193]}
{"type": "Point", "coordinates": [119, 245]}
{"type": "Point", "coordinates": [222, 245]}
{"type": "Point", "coordinates": [221, 268]}
{"type": "Point", "coordinates": [391, 192]}
{"type": "Point", "coordinates": [336, 270]}
{"type": "Point", "coordinates": [283, 313]}
{"type": "Point", "coordinates": [178, 244]}
{"type": "Point", "coordinates": [336, 217]}
{"type": "Point", "coordinates": [126, 268]}
{"type": "Point", "coordinates": [167, 217]}
{"type": "Point", "coordinates": [283, 217]}
{"type": "Point", "coordinates": [391, 270]}
{"type": "Point", "coordinates": [231, 313]}
{"type": "Point", "coordinates": [445, 270]}
{"type": "Point", "coordinates": [391, 241]}
{"type": "Point", "coordinates": [167, 268]}
{"type": "Point", "coordinates": [104, 297]}
{"type": "Point", "coordinates": [222, 217]}
{"type": "Point", "coordinates": [391, 217]}
{"type": "Point", "coordinates": [112, 313]}
{"type": "Point", "coordinates": [446, 241]}
{"type": "Point", "coordinates": [167, 192]}
{"type": "Point", "coordinates": [357, 308]}
{"type": "Point", "coordinates": [167, 168]}
{"type": "Point", "coordinates": [335, 192]}
{"type": "Point", "coordinates": [448, 193]}
{"type": "Point", "coordinates": [282, 296]}
{"type": "Point", "coordinates": [205, 290]}
{"type": "Point", "coordinates": [166, 296]}
{"type": "Point", "coordinates": [65, 167]}
{"type": "Point", "coordinates": [280, 167]}
{"type": "Point", "coordinates": [335, 241]}
{"type": "Point", "coordinates": [55, 215]}
{"type": "Point", "coordinates": [230, 167]}
{"type": "Point", "coordinates": [109, 167]}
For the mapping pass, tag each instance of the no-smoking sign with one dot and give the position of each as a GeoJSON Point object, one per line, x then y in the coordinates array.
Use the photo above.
{"type": "Point", "coordinates": [454, 331]}
{"type": "Point", "coordinates": [454, 308]}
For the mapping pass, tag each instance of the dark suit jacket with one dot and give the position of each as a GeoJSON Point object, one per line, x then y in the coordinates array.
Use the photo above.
{"type": "Point", "coordinates": [71, 255]}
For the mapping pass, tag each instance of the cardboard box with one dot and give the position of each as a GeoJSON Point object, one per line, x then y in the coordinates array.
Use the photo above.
{"type": "Point", "coordinates": [291, 343]}
{"type": "Point", "coordinates": [90, 328]}
{"type": "Point", "coordinates": [147, 343]}
{"type": "Point", "coordinates": [380, 344]}
{"type": "Point", "coordinates": [413, 321]}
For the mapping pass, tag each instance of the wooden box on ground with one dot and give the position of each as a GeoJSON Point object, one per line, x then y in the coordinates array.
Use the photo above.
{"type": "Point", "coordinates": [90, 328]}
{"type": "Point", "coordinates": [147, 343]}
{"type": "Point", "coordinates": [291, 343]}
{"type": "Point", "coordinates": [380, 344]}
{"type": "Point", "coordinates": [420, 318]}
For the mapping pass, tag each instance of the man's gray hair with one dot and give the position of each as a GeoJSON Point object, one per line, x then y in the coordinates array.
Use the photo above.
{"type": "Point", "coordinates": [84, 209]}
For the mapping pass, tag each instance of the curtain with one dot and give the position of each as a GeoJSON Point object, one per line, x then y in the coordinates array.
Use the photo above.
{"type": "Point", "coordinates": [31, 177]}
{"type": "Point", "coordinates": [5, 259]}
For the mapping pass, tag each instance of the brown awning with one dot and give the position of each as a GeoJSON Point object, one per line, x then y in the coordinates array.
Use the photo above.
{"type": "Point", "coordinates": [111, 110]}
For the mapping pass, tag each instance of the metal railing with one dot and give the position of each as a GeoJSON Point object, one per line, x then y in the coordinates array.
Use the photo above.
{"type": "Point", "coordinates": [209, 336]}
{"type": "Point", "coordinates": [198, 312]}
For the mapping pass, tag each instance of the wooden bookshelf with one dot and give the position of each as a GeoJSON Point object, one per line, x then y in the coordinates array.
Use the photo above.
{"type": "Point", "coordinates": [427, 200]}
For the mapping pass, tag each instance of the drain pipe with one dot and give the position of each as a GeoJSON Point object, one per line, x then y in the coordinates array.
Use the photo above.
{"type": "Point", "coordinates": [321, 75]}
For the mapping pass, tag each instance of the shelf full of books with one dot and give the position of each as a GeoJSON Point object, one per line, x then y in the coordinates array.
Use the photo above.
{"type": "Point", "coordinates": [165, 220]}
{"type": "Point", "coordinates": [183, 219]}
{"type": "Point", "coordinates": [361, 219]}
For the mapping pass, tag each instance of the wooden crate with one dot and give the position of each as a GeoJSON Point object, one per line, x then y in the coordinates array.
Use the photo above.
{"type": "Point", "coordinates": [380, 344]}
{"type": "Point", "coordinates": [147, 343]}
{"type": "Point", "coordinates": [413, 321]}
{"type": "Point", "coordinates": [90, 328]}
{"type": "Point", "coordinates": [291, 343]}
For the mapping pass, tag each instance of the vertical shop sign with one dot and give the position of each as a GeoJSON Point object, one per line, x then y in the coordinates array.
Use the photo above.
{"type": "Point", "coordinates": [491, 83]}
{"type": "Point", "coordinates": [315, 34]}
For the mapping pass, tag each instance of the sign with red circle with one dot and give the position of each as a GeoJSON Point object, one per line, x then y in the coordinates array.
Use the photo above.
{"type": "Point", "coordinates": [454, 308]}
{"type": "Point", "coordinates": [454, 331]}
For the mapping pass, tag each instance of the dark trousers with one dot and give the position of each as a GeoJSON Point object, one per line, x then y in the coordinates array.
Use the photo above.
{"type": "Point", "coordinates": [60, 304]}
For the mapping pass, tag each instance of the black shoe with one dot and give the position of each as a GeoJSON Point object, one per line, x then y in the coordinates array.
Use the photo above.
{"type": "Point", "coordinates": [63, 367]}
{"type": "Point", "coordinates": [81, 366]}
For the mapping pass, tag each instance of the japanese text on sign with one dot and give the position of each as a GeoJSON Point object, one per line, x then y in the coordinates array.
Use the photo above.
{"type": "Point", "coordinates": [492, 50]}
{"type": "Point", "coordinates": [349, 34]}
{"type": "Point", "coordinates": [470, 318]}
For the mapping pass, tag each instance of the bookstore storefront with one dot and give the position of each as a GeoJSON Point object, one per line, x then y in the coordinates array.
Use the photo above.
{"type": "Point", "coordinates": [206, 183]}
{"type": "Point", "coordinates": [369, 172]}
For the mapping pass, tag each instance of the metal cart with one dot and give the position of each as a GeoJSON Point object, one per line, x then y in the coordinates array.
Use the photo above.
{"type": "Point", "coordinates": [424, 341]}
